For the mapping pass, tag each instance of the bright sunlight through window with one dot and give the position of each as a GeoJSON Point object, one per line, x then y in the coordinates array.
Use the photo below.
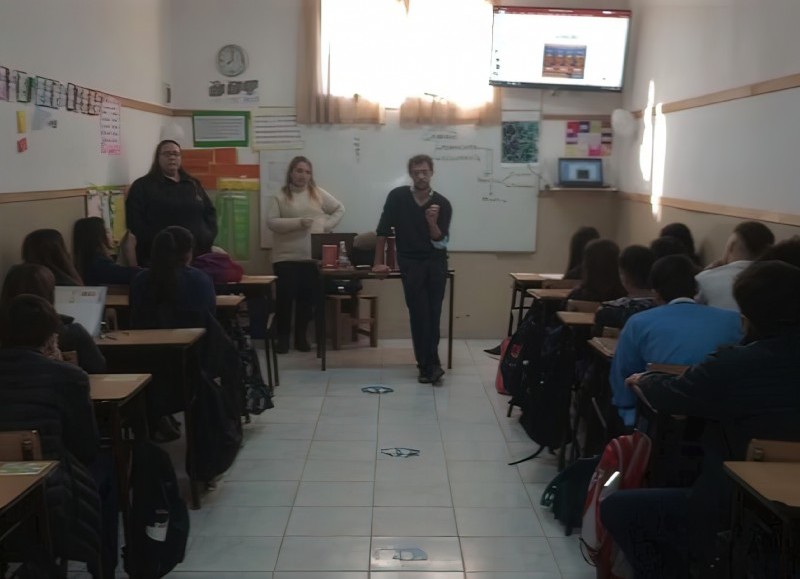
{"type": "Point", "coordinates": [438, 49]}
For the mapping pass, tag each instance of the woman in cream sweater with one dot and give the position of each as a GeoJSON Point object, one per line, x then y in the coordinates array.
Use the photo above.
{"type": "Point", "coordinates": [300, 209]}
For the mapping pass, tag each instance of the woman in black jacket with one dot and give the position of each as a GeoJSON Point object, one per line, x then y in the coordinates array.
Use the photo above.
{"type": "Point", "coordinates": [40, 392]}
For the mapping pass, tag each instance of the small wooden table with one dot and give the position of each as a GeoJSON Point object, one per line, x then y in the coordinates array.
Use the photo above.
{"type": "Point", "coordinates": [368, 274]}
{"type": "Point", "coordinates": [132, 351]}
{"type": "Point", "coordinates": [554, 294]}
{"type": "Point", "coordinates": [604, 346]}
{"type": "Point", "coordinates": [256, 280]}
{"type": "Point", "coordinates": [575, 318]}
{"type": "Point", "coordinates": [771, 490]}
{"type": "Point", "coordinates": [521, 283]}
{"type": "Point", "coordinates": [113, 394]}
{"type": "Point", "coordinates": [22, 496]}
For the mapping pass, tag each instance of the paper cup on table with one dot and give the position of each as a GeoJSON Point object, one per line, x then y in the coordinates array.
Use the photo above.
{"type": "Point", "coordinates": [330, 253]}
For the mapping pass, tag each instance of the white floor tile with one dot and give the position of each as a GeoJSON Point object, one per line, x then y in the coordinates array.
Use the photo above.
{"type": "Point", "coordinates": [342, 450]}
{"type": "Point", "coordinates": [507, 554]}
{"type": "Point", "coordinates": [482, 471]}
{"type": "Point", "coordinates": [495, 522]}
{"type": "Point", "coordinates": [263, 470]}
{"type": "Point", "coordinates": [334, 494]}
{"type": "Point", "coordinates": [231, 554]}
{"type": "Point", "coordinates": [413, 521]}
{"type": "Point", "coordinates": [330, 521]}
{"type": "Point", "coordinates": [339, 470]}
{"type": "Point", "coordinates": [223, 521]}
{"type": "Point", "coordinates": [317, 575]}
{"type": "Point", "coordinates": [412, 494]}
{"type": "Point", "coordinates": [253, 494]}
{"type": "Point", "coordinates": [324, 554]}
{"type": "Point", "coordinates": [493, 495]}
{"type": "Point", "coordinates": [393, 553]}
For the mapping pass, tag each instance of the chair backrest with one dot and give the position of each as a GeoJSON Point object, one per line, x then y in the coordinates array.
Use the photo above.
{"type": "Point", "coordinates": [18, 445]}
{"type": "Point", "coordinates": [320, 239]}
{"type": "Point", "coordinates": [773, 451]}
{"type": "Point", "coordinates": [582, 306]}
{"type": "Point", "coordinates": [560, 283]}
{"type": "Point", "coordinates": [609, 332]}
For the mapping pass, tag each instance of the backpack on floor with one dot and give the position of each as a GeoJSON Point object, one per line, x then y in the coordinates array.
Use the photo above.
{"type": "Point", "coordinates": [498, 379]}
{"type": "Point", "coordinates": [625, 459]}
{"type": "Point", "coordinates": [566, 493]}
{"type": "Point", "coordinates": [521, 351]}
{"type": "Point", "coordinates": [548, 383]}
{"type": "Point", "coordinates": [159, 519]}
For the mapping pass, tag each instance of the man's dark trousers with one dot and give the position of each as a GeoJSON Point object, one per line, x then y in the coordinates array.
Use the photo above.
{"type": "Point", "coordinates": [424, 282]}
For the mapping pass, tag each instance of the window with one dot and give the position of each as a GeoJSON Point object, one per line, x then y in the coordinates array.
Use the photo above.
{"type": "Point", "coordinates": [428, 57]}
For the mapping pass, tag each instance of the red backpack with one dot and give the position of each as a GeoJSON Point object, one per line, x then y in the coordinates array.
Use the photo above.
{"type": "Point", "coordinates": [622, 466]}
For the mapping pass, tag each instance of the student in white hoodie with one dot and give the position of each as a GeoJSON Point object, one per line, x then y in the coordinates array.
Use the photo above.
{"type": "Point", "coordinates": [715, 284]}
{"type": "Point", "coordinates": [300, 209]}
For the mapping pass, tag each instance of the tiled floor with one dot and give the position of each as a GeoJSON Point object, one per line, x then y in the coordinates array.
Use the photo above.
{"type": "Point", "coordinates": [311, 496]}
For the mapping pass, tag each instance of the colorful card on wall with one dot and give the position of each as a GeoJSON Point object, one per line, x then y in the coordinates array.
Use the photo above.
{"type": "Point", "coordinates": [588, 139]}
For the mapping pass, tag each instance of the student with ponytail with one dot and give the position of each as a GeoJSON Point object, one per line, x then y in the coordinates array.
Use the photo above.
{"type": "Point", "coordinates": [171, 294]}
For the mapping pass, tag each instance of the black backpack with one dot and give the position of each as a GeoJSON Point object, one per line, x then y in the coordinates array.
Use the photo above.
{"type": "Point", "coordinates": [545, 401]}
{"type": "Point", "coordinates": [159, 519]}
{"type": "Point", "coordinates": [520, 355]}
{"type": "Point", "coordinates": [566, 493]}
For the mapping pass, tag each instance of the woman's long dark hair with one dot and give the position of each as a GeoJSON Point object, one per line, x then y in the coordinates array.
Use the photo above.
{"type": "Point", "coordinates": [578, 242]}
{"type": "Point", "coordinates": [28, 278]}
{"type": "Point", "coordinates": [89, 239]}
{"type": "Point", "coordinates": [682, 233]}
{"type": "Point", "coordinates": [601, 271]}
{"type": "Point", "coordinates": [169, 250]}
{"type": "Point", "coordinates": [46, 247]}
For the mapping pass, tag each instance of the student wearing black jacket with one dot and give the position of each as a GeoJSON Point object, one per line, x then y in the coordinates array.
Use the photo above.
{"type": "Point", "coordinates": [40, 392]}
{"type": "Point", "coordinates": [421, 220]}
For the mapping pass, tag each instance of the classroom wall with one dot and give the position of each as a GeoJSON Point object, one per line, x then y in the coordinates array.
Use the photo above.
{"type": "Point", "coordinates": [739, 153]}
{"type": "Point", "coordinates": [117, 47]}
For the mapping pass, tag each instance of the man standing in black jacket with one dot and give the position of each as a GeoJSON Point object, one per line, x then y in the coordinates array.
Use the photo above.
{"type": "Point", "coordinates": [420, 218]}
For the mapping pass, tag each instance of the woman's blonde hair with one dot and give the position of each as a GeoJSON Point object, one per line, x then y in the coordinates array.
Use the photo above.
{"type": "Point", "coordinates": [312, 186]}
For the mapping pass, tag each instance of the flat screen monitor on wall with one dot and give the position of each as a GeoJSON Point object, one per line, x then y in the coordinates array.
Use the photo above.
{"type": "Point", "coordinates": [579, 49]}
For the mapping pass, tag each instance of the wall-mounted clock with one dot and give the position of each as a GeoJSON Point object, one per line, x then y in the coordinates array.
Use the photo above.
{"type": "Point", "coordinates": [231, 60]}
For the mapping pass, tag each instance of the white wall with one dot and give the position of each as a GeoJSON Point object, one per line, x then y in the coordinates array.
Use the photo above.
{"type": "Point", "coordinates": [737, 153]}
{"type": "Point", "coordinates": [266, 29]}
{"type": "Point", "coordinates": [114, 46]}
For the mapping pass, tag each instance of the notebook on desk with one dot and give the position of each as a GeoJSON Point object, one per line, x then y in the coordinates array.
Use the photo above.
{"type": "Point", "coordinates": [84, 303]}
{"type": "Point", "coordinates": [580, 173]}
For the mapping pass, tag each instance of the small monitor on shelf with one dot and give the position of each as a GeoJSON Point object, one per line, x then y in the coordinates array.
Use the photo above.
{"type": "Point", "coordinates": [580, 173]}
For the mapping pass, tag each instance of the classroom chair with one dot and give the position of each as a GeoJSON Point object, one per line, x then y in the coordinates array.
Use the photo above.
{"type": "Point", "coordinates": [17, 445]}
{"type": "Point", "coordinates": [344, 316]}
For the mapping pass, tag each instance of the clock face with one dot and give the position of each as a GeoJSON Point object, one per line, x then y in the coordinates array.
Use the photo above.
{"type": "Point", "coordinates": [231, 60]}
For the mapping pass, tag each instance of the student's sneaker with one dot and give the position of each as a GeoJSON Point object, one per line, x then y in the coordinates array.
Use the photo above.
{"type": "Point", "coordinates": [436, 375]}
{"type": "Point", "coordinates": [423, 378]}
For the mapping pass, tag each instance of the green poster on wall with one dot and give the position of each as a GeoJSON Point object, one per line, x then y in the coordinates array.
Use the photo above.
{"type": "Point", "coordinates": [233, 218]}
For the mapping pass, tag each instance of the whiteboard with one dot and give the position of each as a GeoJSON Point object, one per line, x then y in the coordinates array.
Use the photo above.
{"type": "Point", "coordinates": [494, 207]}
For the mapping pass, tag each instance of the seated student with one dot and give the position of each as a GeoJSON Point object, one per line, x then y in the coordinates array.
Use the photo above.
{"type": "Point", "coordinates": [748, 240]}
{"type": "Point", "coordinates": [29, 278]}
{"type": "Point", "coordinates": [39, 392]}
{"type": "Point", "coordinates": [576, 246]}
{"type": "Point", "coordinates": [218, 265]}
{"type": "Point", "coordinates": [682, 233]}
{"type": "Point", "coordinates": [600, 273]}
{"type": "Point", "coordinates": [92, 252]}
{"type": "Point", "coordinates": [46, 247]}
{"type": "Point", "coordinates": [679, 332]}
{"type": "Point", "coordinates": [745, 392]}
{"type": "Point", "coordinates": [787, 250]}
{"type": "Point", "coordinates": [668, 245]}
{"type": "Point", "coordinates": [171, 294]}
{"type": "Point", "coordinates": [635, 263]}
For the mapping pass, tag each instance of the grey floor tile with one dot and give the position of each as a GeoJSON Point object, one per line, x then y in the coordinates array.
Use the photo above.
{"type": "Point", "coordinates": [334, 494]}
{"type": "Point", "coordinates": [324, 554]}
{"type": "Point", "coordinates": [231, 554]}
{"type": "Point", "coordinates": [330, 521]}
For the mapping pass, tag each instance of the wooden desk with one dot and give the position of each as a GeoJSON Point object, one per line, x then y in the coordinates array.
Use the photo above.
{"type": "Point", "coordinates": [604, 346]}
{"type": "Point", "coordinates": [559, 294]}
{"type": "Point", "coordinates": [575, 318]}
{"type": "Point", "coordinates": [256, 280]}
{"type": "Point", "coordinates": [230, 301]}
{"type": "Point", "coordinates": [22, 496]}
{"type": "Point", "coordinates": [521, 283]}
{"type": "Point", "coordinates": [322, 345]}
{"type": "Point", "coordinates": [769, 489]}
{"type": "Point", "coordinates": [133, 351]}
{"type": "Point", "coordinates": [112, 394]}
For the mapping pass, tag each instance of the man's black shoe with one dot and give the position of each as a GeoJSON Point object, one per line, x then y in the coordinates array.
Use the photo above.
{"type": "Point", "coordinates": [436, 375]}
